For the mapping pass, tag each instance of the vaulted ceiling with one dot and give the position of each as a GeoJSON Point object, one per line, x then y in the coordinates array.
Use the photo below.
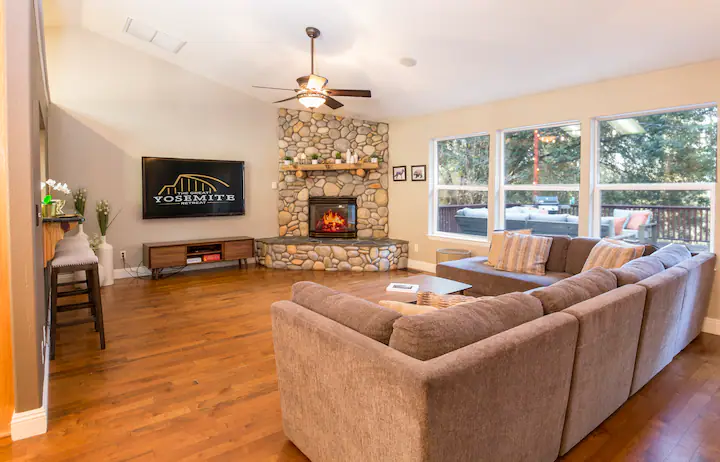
{"type": "Point", "coordinates": [468, 51]}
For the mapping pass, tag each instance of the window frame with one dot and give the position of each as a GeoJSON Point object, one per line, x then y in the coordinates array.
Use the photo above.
{"type": "Point", "coordinates": [502, 187]}
{"type": "Point", "coordinates": [435, 188]}
{"type": "Point", "coordinates": [597, 188]}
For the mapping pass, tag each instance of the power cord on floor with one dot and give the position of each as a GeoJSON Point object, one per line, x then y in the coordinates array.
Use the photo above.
{"type": "Point", "coordinates": [141, 265]}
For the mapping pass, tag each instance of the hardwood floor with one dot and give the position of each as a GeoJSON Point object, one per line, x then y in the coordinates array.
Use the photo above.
{"type": "Point", "coordinates": [189, 374]}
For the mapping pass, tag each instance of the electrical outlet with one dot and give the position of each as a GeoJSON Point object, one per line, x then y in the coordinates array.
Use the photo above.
{"type": "Point", "coordinates": [416, 248]}
{"type": "Point", "coordinates": [123, 255]}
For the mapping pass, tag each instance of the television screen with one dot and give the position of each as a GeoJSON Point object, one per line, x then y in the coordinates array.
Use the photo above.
{"type": "Point", "coordinates": [176, 188]}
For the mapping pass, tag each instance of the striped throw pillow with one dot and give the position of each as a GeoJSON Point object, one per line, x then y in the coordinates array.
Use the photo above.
{"type": "Point", "coordinates": [523, 253]}
{"type": "Point", "coordinates": [611, 253]}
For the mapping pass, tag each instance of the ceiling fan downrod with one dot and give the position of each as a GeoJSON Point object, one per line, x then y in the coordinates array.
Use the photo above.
{"type": "Point", "coordinates": [313, 33]}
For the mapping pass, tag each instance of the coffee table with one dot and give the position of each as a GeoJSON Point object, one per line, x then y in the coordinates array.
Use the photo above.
{"type": "Point", "coordinates": [374, 291]}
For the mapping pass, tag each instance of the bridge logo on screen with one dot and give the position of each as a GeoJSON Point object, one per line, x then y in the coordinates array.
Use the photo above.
{"type": "Point", "coordinates": [194, 189]}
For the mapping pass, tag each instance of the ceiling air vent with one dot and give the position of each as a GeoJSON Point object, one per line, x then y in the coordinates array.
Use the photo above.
{"type": "Point", "coordinates": [150, 34]}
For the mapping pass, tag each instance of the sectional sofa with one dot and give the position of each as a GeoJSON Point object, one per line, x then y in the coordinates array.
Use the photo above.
{"type": "Point", "coordinates": [475, 222]}
{"type": "Point", "coordinates": [520, 376]}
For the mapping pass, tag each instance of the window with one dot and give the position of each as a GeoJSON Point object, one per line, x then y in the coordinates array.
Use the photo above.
{"type": "Point", "coordinates": [460, 185]}
{"type": "Point", "coordinates": [656, 177]}
{"type": "Point", "coordinates": [541, 179]}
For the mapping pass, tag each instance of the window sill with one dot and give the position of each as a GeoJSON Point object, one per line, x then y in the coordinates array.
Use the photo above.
{"type": "Point", "coordinates": [474, 240]}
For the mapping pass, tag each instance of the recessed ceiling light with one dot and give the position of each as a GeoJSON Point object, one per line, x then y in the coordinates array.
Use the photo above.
{"type": "Point", "coordinates": [150, 34]}
{"type": "Point", "coordinates": [408, 62]}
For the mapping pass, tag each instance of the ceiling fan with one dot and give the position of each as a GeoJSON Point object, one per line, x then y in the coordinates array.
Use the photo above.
{"type": "Point", "coordinates": [312, 92]}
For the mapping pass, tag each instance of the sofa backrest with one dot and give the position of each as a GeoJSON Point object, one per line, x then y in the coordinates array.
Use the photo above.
{"type": "Point", "coordinates": [429, 335]}
{"type": "Point", "coordinates": [663, 304]}
{"type": "Point", "coordinates": [368, 318]}
{"type": "Point", "coordinates": [575, 289]}
{"type": "Point", "coordinates": [604, 359]}
{"type": "Point", "coordinates": [558, 253]}
{"type": "Point", "coordinates": [701, 273]}
{"type": "Point", "coordinates": [578, 252]}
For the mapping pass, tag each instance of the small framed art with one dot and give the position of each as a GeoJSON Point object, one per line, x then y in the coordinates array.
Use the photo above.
{"type": "Point", "coordinates": [418, 172]}
{"type": "Point", "coordinates": [400, 173]}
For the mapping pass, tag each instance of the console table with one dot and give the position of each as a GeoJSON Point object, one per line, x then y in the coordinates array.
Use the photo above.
{"type": "Point", "coordinates": [159, 255]}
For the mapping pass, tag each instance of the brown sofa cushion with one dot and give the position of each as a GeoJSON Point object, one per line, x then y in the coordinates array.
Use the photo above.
{"type": "Point", "coordinates": [429, 335]}
{"type": "Point", "coordinates": [360, 315]}
{"type": "Point", "coordinates": [672, 254]}
{"type": "Point", "coordinates": [486, 280]}
{"type": "Point", "coordinates": [575, 289]}
{"type": "Point", "coordinates": [637, 270]}
{"type": "Point", "coordinates": [578, 251]}
{"type": "Point", "coordinates": [558, 253]}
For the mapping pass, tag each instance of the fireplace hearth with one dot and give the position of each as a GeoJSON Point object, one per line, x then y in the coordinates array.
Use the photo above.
{"type": "Point", "coordinates": [333, 217]}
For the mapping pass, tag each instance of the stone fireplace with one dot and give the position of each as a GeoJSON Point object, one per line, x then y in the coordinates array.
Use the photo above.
{"type": "Point", "coordinates": [333, 217]}
{"type": "Point", "coordinates": [302, 134]}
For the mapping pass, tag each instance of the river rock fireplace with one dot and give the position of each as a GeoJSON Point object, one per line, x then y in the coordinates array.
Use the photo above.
{"type": "Point", "coordinates": [333, 217]}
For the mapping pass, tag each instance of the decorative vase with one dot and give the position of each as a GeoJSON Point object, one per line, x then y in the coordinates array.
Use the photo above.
{"type": "Point", "coordinates": [81, 232]}
{"type": "Point", "coordinates": [60, 203]}
{"type": "Point", "coordinates": [105, 259]}
{"type": "Point", "coordinates": [49, 210]}
{"type": "Point", "coordinates": [338, 161]}
{"type": "Point", "coordinates": [314, 161]}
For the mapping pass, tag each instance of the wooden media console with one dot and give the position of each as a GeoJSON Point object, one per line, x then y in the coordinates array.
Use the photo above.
{"type": "Point", "coordinates": [159, 255]}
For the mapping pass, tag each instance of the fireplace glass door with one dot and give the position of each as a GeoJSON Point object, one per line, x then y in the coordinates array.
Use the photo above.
{"type": "Point", "coordinates": [333, 217]}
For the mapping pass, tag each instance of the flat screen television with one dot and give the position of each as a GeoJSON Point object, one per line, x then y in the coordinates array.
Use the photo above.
{"type": "Point", "coordinates": [178, 188]}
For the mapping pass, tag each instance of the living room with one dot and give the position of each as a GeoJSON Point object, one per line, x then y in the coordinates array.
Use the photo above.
{"type": "Point", "coordinates": [199, 163]}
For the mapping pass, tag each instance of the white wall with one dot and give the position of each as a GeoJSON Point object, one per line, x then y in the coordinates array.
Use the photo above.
{"type": "Point", "coordinates": [112, 105]}
{"type": "Point", "coordinates": [411, 140]}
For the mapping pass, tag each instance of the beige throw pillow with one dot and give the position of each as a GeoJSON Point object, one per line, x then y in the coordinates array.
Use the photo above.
{"type": "Point", "coordinates": [524, 254]}
{"type": "Point", "coordinates": [611, 253]}
{"type": "Point", "coordinates": [408, 309]}
{"type": "Point", "coordinates": [496, 244]}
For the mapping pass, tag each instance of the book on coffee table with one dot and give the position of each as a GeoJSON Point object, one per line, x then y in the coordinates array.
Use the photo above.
{"type": "Point", "coordinates": [400, 287]}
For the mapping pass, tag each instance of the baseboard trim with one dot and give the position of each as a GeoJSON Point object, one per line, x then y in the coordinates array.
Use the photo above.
{"type": "Point", "coordinates": [421, 266]}
{"type": "Point", "coordinates": [35, 421]}
{"type": "Point", "coordinates": [123, 273]}
{"type": "Point", "coordinates": [711, 326]}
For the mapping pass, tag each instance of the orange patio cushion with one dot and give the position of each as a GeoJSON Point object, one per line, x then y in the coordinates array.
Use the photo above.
{"type": "Point", "coordinates": [638, 219]}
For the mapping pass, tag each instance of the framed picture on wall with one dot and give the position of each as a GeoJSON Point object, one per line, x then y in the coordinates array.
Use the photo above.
{"type": "Point", "coordinates": [418, 172]}
{"type": "Point", "coordinates": [400, 173]}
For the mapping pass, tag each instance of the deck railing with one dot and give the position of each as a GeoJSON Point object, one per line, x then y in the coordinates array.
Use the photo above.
{"type": "Point", "coordinates": [676, 223]}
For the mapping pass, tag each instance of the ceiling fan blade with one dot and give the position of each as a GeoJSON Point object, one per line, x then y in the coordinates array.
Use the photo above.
{"type": "Point", "coordinates": [356, 93]}
{"type": "Point", "coordinates": [283, 100]}
{"type": "Point", "coordinates": [273, 88]}
{"type": "Point", "coordinates": [332, 103]}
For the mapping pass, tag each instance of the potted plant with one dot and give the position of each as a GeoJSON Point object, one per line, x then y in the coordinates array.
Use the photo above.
{"type": "Point", "coordinates": [374, 158]}
{"type": "Point", "coordinates": [53, 207]}
{"type": "Point", "coordinates": [315, 158]}
{"type": "Point", "coordinates": [288, 160]}
{"type": "Point", "coordinates": [79, 200]}
{"type": "Point", "coordinates": [338, 158]}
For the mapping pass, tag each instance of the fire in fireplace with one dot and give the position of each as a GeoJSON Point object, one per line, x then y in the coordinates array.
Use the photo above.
{"type": "Point", "coordinates": [333, 217]}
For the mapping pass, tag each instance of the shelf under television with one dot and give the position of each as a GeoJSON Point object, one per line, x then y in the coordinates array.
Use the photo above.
{"type": "Point", "coordinates": [306, 167]}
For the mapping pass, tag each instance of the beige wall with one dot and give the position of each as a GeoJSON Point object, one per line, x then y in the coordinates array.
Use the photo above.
{"type": "Point", "coordinates": [112, 105]}
{"type": "Point", "coordinates": [411, 140]}
{"type": "Point", "coordinates": [25, 103]}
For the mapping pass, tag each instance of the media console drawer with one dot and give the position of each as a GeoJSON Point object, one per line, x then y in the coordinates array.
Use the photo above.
{"type": "Point", "coordinates": [235, 250]}
{"type": "Point", "coordinates": [162, 257]}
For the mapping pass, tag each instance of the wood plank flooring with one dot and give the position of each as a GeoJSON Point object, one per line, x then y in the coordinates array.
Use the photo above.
{"type": "Point", "coordinates": [189, 374]}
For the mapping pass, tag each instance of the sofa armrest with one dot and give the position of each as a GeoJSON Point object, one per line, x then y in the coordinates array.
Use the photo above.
{"type": "Point", "coordinates": [344, 396]}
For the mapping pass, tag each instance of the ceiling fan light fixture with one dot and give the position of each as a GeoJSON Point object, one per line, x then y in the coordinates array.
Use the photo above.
{"type": "Point", "coordinates": [312, 100]}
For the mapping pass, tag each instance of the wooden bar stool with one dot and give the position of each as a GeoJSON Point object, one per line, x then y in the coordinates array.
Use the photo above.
{"type": "Point", "coordinates": [70, 259]}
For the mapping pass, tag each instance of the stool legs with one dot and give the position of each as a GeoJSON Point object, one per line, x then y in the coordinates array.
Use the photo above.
{"type": "Point", "coordinates": [93, 279]}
